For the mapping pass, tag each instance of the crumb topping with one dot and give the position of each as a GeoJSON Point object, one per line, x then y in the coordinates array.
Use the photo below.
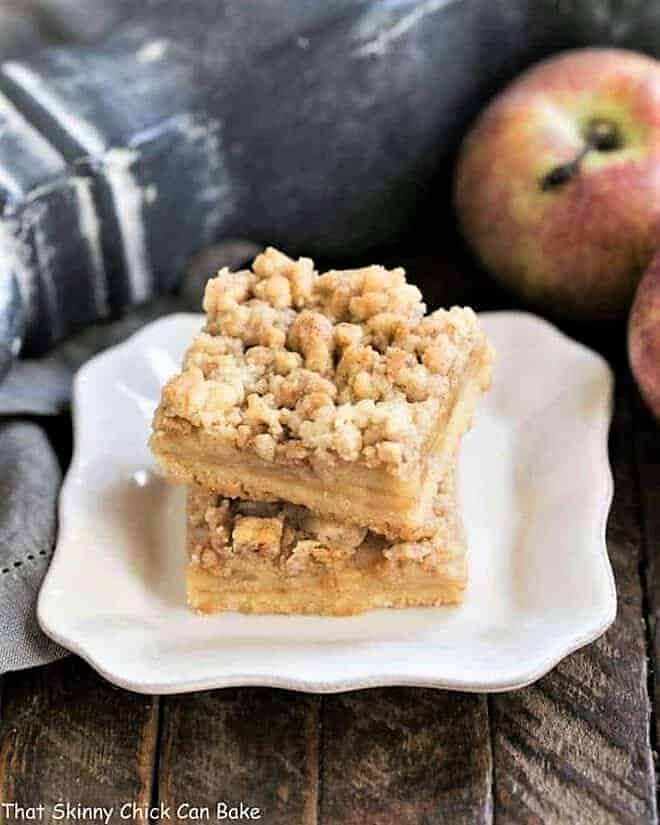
{"type": "Point", "coordinates": [296, 541]}
{"type": "Point", "coordinates": [297, 366]}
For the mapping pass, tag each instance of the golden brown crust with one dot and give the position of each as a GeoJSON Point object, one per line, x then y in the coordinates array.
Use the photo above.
{"type": "Point", "coordinates": [349, 593]}
{"type": "Point", "coordinates": [298, 367]}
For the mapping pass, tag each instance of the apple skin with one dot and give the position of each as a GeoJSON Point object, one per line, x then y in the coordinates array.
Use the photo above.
{"type": "Point", "coordinates": [644, 336]}
{"type": "Point", "coordinates": [577, 249]}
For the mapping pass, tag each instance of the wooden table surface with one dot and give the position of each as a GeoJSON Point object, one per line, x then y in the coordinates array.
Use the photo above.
{"type": "Point", "coordinates": [576, 747]}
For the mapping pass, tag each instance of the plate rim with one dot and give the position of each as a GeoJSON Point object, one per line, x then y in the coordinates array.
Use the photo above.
{"type": "Point", "coordinates": [514, 681]}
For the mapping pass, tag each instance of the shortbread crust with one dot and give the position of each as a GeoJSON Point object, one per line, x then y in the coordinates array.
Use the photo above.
{"type": "Point", "coordinates": [330, 391]}
{"type": "Point", "coordinates": [261, 557]}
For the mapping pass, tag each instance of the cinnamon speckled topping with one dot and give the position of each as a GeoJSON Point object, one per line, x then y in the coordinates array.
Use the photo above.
{"type": "Point", "coordinates": [301, 367]}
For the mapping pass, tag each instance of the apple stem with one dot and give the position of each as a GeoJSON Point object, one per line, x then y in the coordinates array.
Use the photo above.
{"type": "Point", "coordinates": [602, 136]}
{"type": "Point", "coordinates": [561, 174]}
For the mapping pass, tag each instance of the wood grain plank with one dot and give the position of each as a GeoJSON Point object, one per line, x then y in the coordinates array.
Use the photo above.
{"type": "Point", "coordinates": [67, 735]}
{"type": "Point", "coordinates": [398, 756]}
{"type": "Point", "coordinates": [254, 745]}
{"type": "Point", "coordinates": [575, 747]}
{"type": "Point", "coordinates": [647, 443]}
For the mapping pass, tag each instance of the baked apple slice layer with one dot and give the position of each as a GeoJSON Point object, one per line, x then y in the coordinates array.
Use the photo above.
{"type": "Point", "coordinates": [275, 557]}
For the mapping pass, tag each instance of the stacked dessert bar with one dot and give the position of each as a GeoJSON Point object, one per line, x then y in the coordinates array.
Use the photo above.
{"type": "Point", "coordinates": [317, 420]}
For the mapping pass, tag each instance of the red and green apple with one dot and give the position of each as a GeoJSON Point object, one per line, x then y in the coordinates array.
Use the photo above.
{"type": "Point", "coordinates": [558, 183]}
{"type": "Point", "coordinates": [644, 336]}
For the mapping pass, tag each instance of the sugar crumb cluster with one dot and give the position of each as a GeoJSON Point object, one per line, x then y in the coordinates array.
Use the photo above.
{"type": "Point", "coordinates": [298, 366]}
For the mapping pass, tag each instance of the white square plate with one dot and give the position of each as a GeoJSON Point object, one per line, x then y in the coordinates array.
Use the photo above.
{"type": "Point", "coordinates": [535, 487]}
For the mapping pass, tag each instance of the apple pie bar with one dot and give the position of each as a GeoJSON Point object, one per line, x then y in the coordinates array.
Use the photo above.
{"type": "Point", "coordinates": [331, 391]}
{"type": "Point", "coordinates": [275, 557]}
